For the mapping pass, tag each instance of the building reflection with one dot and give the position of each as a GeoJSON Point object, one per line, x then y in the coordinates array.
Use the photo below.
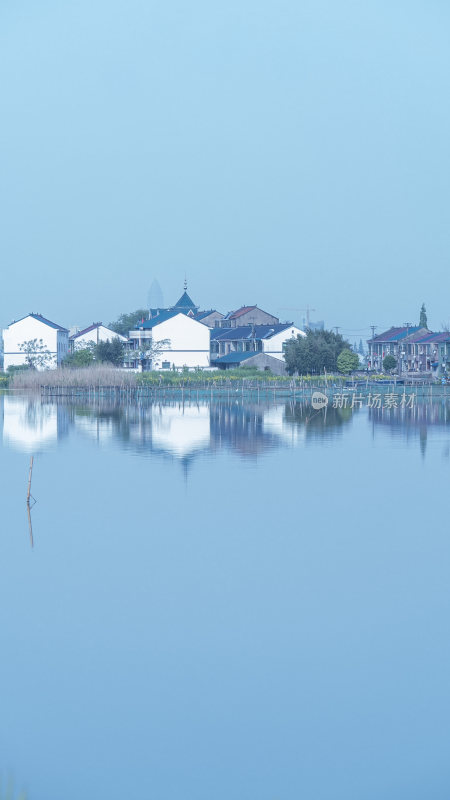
{"type": "Point", "coordinates": [29, 425]}
{"type": "Point", "coordinates": [413, 424]}
{"type": "Point", "coordinates": [185, 430]}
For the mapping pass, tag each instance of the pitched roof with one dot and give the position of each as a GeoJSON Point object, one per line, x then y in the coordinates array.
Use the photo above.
{"type": "Point", "coordinates": [185, 302]}
{"type": "Point", "coordinates": [42, 319]}
{"type": "Point", "coordinates": [240, 312]}
{"type": "Point", "coordinates": [94, 327]}
{"type": "Point", "coordinates": [235, 358]}
{"type": "Point", "coordinates": [250, 331]}
{"type": "Point", "coordinates": [202, 314]}
{"type": "Point", "coordinates": [423, 338]}
{"type": "Point", "coordinates": [396, 334]}
{"type": "Point", "coordinates": [163, 316]}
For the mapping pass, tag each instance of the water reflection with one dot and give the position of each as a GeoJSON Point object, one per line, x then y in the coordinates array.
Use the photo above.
{"type": "Point", "coordinates": [29, 425]}
{"type": "Point", "coordinates": [413, 424]}
{"type": "Point", "coordinates": [185, 430]}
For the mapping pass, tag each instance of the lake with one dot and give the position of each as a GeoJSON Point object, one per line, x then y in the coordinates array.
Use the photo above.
{"type": "Point", "coordinates": [233, 600]}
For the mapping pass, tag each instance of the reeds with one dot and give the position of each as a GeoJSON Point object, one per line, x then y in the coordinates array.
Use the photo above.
{"type": "Point", "coordinates": [85, 377]}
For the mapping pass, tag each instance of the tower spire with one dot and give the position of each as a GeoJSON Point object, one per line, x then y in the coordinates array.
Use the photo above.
{"type": "Point", "coordinates": [185, 283]}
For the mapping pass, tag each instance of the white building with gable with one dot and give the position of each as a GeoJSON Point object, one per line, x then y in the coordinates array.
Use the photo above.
{"type": "Point", "coordinates": [47, 335]}
{"type": "Point", "coordinates": [95, 333]}
{"type": "Point", "coordinates": [232, 346]}
{"type": "Point", "coordinates": [186, 343]}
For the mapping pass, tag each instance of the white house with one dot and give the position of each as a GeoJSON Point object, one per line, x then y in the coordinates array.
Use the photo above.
{"type": "Point", "coordinates": [95, 333]}
{"type": "Point", "coordinates": [186, 343]}
{"type": "Point", "coordinates": [268, 339]}
{"type": "Point", "coordinates": [45, 335]}
{"type": "Point", "coordinates": [273, 343]}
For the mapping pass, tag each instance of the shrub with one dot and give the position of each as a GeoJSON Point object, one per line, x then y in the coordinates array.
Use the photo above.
{"type": "Point", "coordinates": [389, 362]}
{"type": "Point", "coordinates": [347, 361]}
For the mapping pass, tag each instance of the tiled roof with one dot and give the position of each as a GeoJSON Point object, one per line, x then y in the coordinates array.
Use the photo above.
{"type": "Point", "coordinates": [94, 327]}
{"type": "Point", "coordinates": [234, 358]}
{"type": "Point", "coordinates": [396, 334]}
{"type": "Point", "coordinates": [249, 332]}
{"type": "Point", "coordinates": [240, 312]}
{"type": "Point", "coordinates": [431, 337]}
{"type": "Point", "coordinates": [185, 302]}
{"type": "Point", "coordinates": [40, 318]}
{"type": "Point", "coordinates": [163, 316]}
{"type": "Point", "coordinates": [202, 314]}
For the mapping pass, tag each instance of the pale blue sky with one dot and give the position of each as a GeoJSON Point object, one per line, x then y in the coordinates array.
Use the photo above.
{"type": "Point", "coordinates": [279, 153]}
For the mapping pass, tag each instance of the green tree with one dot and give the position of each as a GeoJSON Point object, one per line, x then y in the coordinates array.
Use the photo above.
{"type": "Point", "coordinates": [126, 322]}
{"type": "Point", "coordinates": [423, 322]}
{"type": "Point", "coordinates": [149, 353]}
{"type": "Point", "coordinates": [314, 353]}
{"type": "Point", "coordinates": [37, 355]}
{"type": "Point", "coordinates": [347, 361]}
{"type": "Point", "coordinates": [82, 357]}
{"type": "Point", "coordinates": [389, 362]}
{"type": "Point", "coordinates": [110, 352]}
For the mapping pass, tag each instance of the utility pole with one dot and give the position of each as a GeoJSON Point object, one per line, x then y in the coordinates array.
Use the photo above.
{"type": "Point", "coordinates": [336, 328]}
{"type": "Point", "coordinates": [407, 325]}
{"type": "Point", "coordinates": [371, 351]}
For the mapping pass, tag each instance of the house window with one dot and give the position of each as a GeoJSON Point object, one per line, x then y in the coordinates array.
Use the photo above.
{"type": "Point", "coordinates": [165, 364]}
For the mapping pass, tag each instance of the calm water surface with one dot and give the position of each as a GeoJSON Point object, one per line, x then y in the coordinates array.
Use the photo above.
{"type": "Point", "coordinates": [225, 601]}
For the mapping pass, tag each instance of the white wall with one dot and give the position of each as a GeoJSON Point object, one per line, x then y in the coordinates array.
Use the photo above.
{"type": "Point", "coordinates": [100, 334]}
{"type": "Point", "coordinates": [28, 431]}
{"type": "Point", "coordinates": [274, 345]}
{"type": "Point", "coordinates": [189, 342]}
{"type": "Point", "coordinates": [56, 341]}
{"type": "Point", "coordinates": [181, 433]}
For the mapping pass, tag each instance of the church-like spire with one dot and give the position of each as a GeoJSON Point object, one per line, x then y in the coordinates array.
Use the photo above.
{"type": "Point", "coordinates": [185, 303]}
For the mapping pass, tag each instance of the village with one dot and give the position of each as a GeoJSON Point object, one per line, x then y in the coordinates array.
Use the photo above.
{"type": "Point", "coordinates": [182, 337]}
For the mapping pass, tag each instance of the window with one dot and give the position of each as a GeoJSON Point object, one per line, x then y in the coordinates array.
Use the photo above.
{"type": "Point", "coordinates": [165, 365]}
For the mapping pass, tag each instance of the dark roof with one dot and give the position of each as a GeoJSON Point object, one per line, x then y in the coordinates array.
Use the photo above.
{"type": "Point", "coordinates": [202, 314]}
{"type": "Point", "coordinates": [94, 327]}
{"type": "Point", "coordinates": [185, 302]}
{"type": "Point", "coordinates": [396, 334]}
{"type": "Point", "coordinates": [423, 338]}
{"type": "Point", "coordinates": [250, 331]}
{"type": "Point", "coordinates": [155, 311]}
{"type": "Point", "coordinates": [235, 358]}
{"type": "Point", "coordinates": [161, 317]}
{"type": "Point", "coordinates": [40, 318]}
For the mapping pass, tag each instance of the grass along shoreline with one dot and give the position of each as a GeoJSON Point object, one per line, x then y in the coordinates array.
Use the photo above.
{"type": "Point", "coordinates": [108, 377]}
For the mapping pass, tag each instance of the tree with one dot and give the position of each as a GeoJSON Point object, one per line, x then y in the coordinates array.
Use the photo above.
{"type": "Point", "coordinates": [81, 357]}
{"type": "Point", "coordinates": [347, 361]}
{"type": "Point", "coordinates": [313, 353]}
{"type": "Point", "coordinates": [389, 362]}
{"type": "Point", "coordinates": [37, 355]}
{"type": "Point", "coordinates": [126, 322]}
{"type": "Point", "coordinates": [148, 353]}
{"type": "Point", "coordinates": [110, 352]}
{"type": "Point", "coordinates": [423, 322]}
{"type": "Point", "coordinates": [361, 348]}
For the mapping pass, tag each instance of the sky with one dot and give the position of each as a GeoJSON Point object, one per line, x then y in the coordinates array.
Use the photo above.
{"type": "Point", "coordinates": [288, 153]}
